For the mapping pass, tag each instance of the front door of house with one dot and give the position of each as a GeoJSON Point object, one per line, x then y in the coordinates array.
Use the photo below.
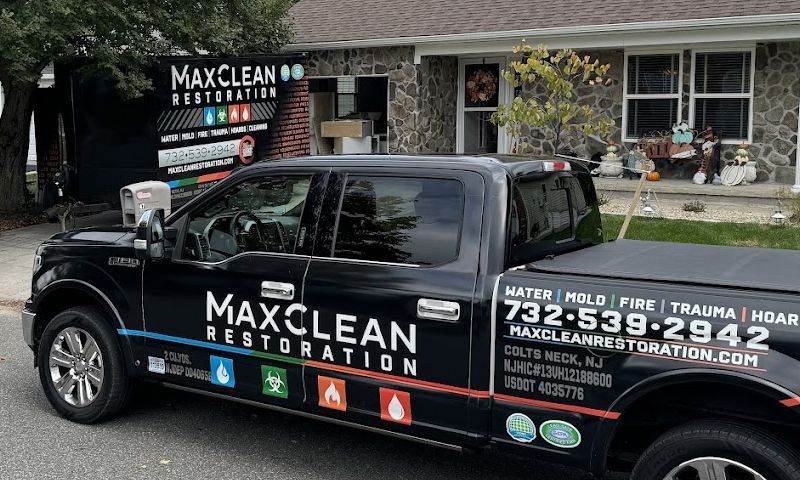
{"type": "Point", "coordinates": [481, 89]}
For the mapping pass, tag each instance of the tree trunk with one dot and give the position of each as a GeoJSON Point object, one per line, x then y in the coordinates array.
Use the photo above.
{"type": "Point", "coordinates": [557, 140]}
{"type": "Point", "coordinates": [15, 122]}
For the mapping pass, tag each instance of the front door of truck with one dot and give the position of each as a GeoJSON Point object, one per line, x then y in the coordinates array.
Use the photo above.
{"type": "Point", "coordinates": [226, 313]}
{"type": "Point", "coordinates": [390, 293]}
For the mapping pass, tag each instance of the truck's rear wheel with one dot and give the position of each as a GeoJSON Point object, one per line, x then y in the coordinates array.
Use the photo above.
{"type": "Point", "coordinates": [81, 366]}
{"type": "Point", "coordinates": [717, 450]}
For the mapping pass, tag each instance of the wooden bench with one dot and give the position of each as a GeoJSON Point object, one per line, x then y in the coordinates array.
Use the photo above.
{"type": "Point", "coordinates": [659, 146]}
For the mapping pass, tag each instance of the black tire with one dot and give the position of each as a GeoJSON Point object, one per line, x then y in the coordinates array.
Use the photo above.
{"type": "Point", "coordinates": [742, 443]}
{"type": "Point", "coordinates": [112, 395]}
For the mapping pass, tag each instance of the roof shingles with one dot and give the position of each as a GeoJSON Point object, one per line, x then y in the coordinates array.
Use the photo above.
{"type": "Point", "coordinates": [318, 21]}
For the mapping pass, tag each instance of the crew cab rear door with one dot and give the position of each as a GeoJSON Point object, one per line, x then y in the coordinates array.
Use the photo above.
{"type": "Point", "coordinates": [390, 289]}
{"type": "Point", "coordinates": [225, 313]}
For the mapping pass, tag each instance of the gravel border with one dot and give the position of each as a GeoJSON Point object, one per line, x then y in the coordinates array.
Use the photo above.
{"type": "Point", "coordinates": [674, 210]}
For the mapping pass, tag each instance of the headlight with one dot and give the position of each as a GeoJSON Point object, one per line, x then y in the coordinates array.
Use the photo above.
{"type": "Point", "coordinates": [37, 263]}
{"type": "Point", "coordinates": [37, 259]}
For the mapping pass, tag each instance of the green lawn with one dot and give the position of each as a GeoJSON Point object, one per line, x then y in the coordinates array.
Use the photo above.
{"type": "Point", "coordinates": [687, 231]}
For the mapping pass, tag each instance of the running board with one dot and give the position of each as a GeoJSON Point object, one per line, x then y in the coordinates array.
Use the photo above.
{"type": "Point", "coordinates": [314, 416]}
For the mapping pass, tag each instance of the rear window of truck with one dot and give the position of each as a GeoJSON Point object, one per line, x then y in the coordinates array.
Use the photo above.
{"type": "Point", "coordinates": [546, 213]}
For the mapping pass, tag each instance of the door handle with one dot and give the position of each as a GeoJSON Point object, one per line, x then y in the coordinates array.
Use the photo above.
{"type": "Point", "coordinates": [277, 290]}
{"type": "Point", "coordinates": [438, 310]}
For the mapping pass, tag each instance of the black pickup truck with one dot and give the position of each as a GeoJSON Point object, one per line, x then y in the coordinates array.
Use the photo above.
{"type": "Point", "coordinates": [467, 302]}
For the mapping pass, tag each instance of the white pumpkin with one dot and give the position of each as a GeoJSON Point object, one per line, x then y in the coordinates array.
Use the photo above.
{"type": "Point", "coordinates": [700, 178]}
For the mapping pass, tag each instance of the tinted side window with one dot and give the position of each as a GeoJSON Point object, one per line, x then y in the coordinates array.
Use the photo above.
{"type": "Point", "coordinates": [541, 210]}
{"type": "Point", "coordinates": [551, 214]}
{"type": "Point", "coordinates": [259, 215]}
{"type": "Point", "coordinates": [400, 220]}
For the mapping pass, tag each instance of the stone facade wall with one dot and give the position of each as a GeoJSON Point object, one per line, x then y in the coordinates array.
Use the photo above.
{"type": "Point", "coordinates": [422, 98]}
{"type": "Point", "coordinates": [776, 96]}
{"type": "Point", "coordinates": [437, 104]}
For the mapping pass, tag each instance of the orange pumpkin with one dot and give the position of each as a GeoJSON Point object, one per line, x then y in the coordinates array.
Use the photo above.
{"type": "Point", "coordinates": [654, 176]}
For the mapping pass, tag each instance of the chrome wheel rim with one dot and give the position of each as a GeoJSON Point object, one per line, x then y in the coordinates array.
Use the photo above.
{"type": "Point", "coordinates": [713, 468]}
{"type": "Point", "coordinates": [76, 367]}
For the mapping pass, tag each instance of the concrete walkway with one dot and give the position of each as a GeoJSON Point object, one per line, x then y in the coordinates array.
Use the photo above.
{"type": "Point", "coordinates": [18, 246]}
{"type": "Point", "coordinates": [685, 190]}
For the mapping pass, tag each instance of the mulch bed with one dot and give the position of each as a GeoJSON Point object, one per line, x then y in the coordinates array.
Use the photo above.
{"type": "Point", "coordinates": [24, 218]}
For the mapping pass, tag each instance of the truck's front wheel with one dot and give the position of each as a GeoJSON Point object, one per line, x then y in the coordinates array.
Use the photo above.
{"type": "Point", "coordinates": [717, 450]}
{"type": "Point", "coordinates": [81, 366]}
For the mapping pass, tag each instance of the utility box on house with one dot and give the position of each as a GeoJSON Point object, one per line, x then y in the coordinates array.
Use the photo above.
{"type": "Point", "coordinates": [349, 136]}
{"type": "Point", "coordinates": [139, 197]}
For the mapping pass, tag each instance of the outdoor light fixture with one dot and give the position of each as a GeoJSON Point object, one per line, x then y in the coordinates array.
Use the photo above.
{"type": "Point", "coordinates": [778, 217]}
{"type": "Point", "coordinates": [647, 208]}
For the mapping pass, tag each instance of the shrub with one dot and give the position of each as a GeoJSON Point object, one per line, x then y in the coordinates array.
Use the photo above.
{"type": "Point", "coordinates": [790, 201]}
{"type": "Point", "coordinates": [695, 206]}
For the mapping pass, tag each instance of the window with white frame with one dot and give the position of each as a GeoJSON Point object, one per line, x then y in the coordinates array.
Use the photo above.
{"type": "Point", "coordinates": [722, 93]}
{"type": "Point", "coordinates": [652, 93]}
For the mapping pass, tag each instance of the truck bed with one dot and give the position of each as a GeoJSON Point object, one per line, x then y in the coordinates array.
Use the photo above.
{"type": "Point", "coordinates": [734, 267]}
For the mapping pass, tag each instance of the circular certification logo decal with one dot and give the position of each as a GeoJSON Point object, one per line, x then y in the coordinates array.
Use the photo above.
{"type": "Point", "coordinates": [560, 434]}
{"type": "Point", "coordinates": [298, 71]}
{"type": "Point", "coordinates": [285, 73]}
{"type": "Point", "coordinates": [247, 150]}
{"type": "Point", "coordinates": [520, 427]}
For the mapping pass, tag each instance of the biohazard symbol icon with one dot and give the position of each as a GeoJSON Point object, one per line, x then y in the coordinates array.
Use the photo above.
{"type": "Point", "coordinates": [274, 383]}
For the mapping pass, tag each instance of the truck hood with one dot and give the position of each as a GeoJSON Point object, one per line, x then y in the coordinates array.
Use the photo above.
{"type": "Point", "coordinates": [107, 235]}
{"type": "Point", "coordinates": [733, 267]}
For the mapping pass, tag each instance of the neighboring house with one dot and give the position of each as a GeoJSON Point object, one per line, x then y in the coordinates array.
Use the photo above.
{"type": "Point", "coordinates": [734, 65]}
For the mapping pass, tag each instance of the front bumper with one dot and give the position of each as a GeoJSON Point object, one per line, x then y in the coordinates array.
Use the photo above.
{"type": "Point", "coordinates": [28, 320]}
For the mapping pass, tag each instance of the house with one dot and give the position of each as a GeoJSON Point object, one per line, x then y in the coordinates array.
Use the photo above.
{"type": "Point", "coordinates": [405, 66]}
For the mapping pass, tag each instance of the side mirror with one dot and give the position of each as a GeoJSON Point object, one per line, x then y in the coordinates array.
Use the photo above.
{"type": "Point", "coordinates": [150, 236]}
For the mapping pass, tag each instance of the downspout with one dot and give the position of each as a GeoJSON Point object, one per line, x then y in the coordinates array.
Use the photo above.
{"type": "Point", "coordinates": [796, 187]}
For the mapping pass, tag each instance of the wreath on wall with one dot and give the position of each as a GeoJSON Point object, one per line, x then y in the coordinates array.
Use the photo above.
{"type": "Point", "coordinates": [481, 86]}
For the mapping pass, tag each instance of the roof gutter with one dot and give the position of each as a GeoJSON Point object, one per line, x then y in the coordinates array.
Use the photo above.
{"type": "Point", "coordinates": [675, 26]}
